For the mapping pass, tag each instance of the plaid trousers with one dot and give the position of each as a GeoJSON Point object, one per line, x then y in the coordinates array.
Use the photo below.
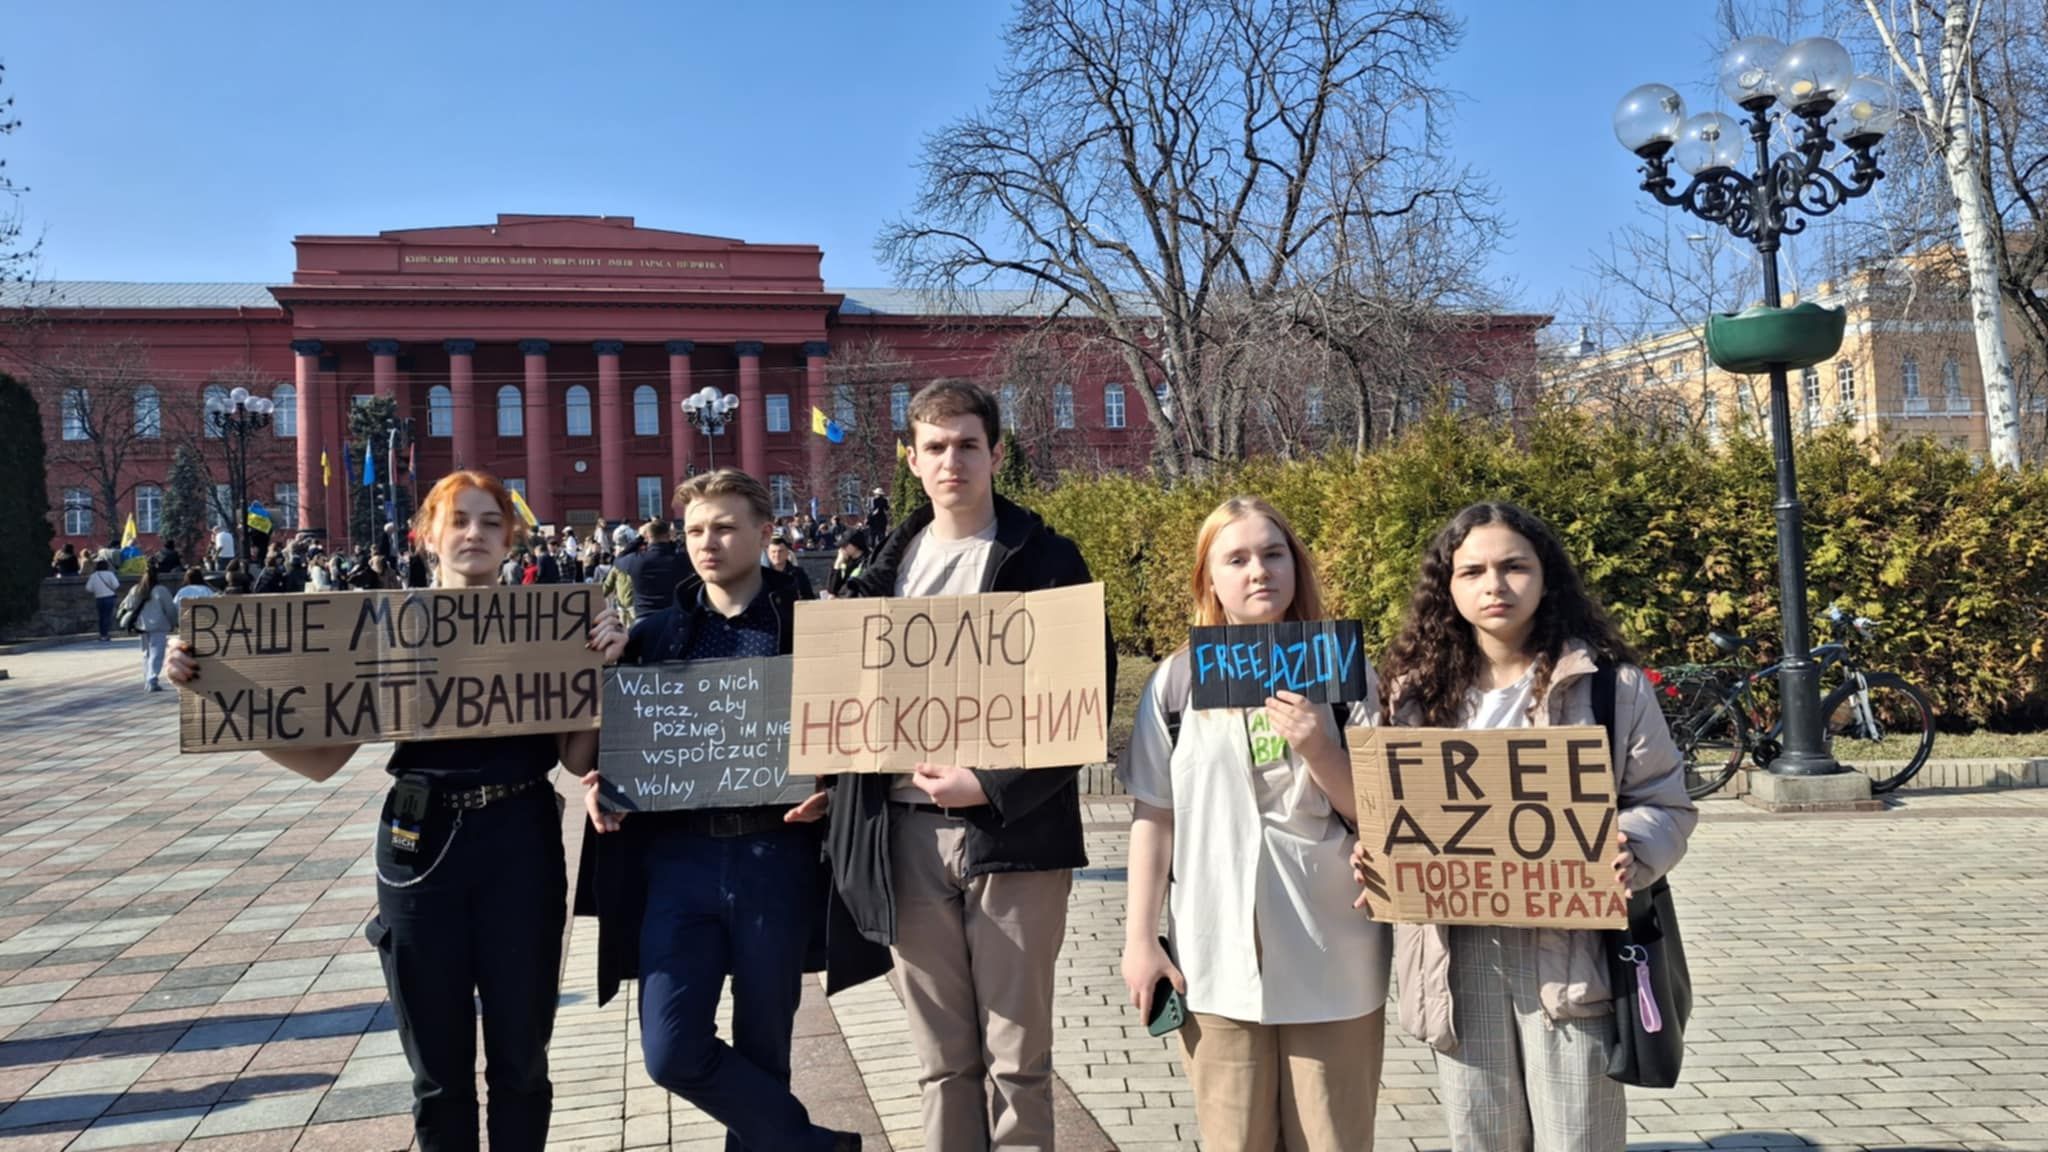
{"type": "Point", "coordinates": [1519, 1081]}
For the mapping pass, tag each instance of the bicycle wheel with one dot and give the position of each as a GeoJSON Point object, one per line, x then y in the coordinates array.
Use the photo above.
{"type": "Point", "coordinates": [1711, 738]}
{"type": "Point", "coordinates": [1883, 728]}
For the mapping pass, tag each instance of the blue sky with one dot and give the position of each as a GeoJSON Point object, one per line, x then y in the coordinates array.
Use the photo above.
{"type": "Point", "coordinates": [191, 142]}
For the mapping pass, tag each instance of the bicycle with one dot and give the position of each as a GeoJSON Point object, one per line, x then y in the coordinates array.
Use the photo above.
{"type": "Point", "coordinates": [1717, 716]}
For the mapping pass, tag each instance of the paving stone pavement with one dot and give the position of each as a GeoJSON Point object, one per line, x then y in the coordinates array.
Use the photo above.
{"type": "Point", "coordinates": [182, 966]}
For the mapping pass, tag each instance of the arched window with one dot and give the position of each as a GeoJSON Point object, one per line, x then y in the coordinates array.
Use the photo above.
{"type": "Point", "coordinates": [440, 411]}
{"type": "Point", "coordinates": [576, 402]}
{"type": "Point", "coordinates": [511, 412]}
{"type": "Point", "coordinates": [1952, 385]}
{"type": "Point", "coordinates": [1112, 405]}
{"type": "Point", "coordinates": [646, 411]}
{"type": "Point", "coordinates": [149, 414]}
{"type": "Point", "coordinates": [899, 406]}
{"type": "Point", "coordinates": [284, 411]}
{"type": "Point", "coordinates": [215, 396]}
{"type": "Point", "coordinates": [1063, 405]}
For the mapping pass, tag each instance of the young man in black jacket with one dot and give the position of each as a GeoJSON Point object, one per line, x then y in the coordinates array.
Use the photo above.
{"type": "Point", "coordinates": [964, 871]}
{"type": "Point", "coordinates": [685, 899]}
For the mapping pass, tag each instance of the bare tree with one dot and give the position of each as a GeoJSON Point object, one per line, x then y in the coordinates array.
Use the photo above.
{"type": "Point", "coordinates": [17, 256]}
{"type": "Point", "coordinates": [1933, 44]}
{"type": "Point", "coordinates": [1140, 161]}
{"type": "Point", "coordinates": [2012, 110]}
{"type": "Point", "coordinates": [108, 418]}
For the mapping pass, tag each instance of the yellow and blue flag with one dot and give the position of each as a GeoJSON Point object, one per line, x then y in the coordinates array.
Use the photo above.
{"type": "Point", "coordinates": [128, 533]}
{"type": "Point", "coordinates": [828, 428]}
{"type": "Point", "coordinates": [525, 513]}
{"type": "Point", "coordinates": [259, 517]}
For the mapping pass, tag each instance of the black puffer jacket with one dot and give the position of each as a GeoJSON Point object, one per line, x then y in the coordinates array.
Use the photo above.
{"type": "Point", "coordinates": [1032, 822]}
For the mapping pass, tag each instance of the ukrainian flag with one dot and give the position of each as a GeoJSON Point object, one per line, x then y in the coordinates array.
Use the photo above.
{"type": "Point", "coordinates": [259, 517]}
{"type": "Point", "coordinates": [525, 513]}
{"type": "Point", "coordinates": [828, 428]}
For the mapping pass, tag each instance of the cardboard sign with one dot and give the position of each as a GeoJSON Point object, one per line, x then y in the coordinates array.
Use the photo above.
{"type": "Point", "coordinates": [302, 671]}
{"type": "Point", "coordinates": [1507, 826]}
{"type": "Point", "coordinates": [1002, 680]}
{"type": "Point", "coordinates": [1239, 666]}
{"type": "Point", "coordinates": [702, 734]}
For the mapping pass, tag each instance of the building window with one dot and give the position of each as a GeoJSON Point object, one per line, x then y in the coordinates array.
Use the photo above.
{"type": "Point", "coordinates": [1312, 406]}
{"type": "Point", "coordinates": [223, 506]}
{"type": "Point", "coordinates": [646, 411]}
{"type": "Point", "coordinates": [1845, 384]}
{"type": "Point", "coordinates": [1711, 410]}
{"type": "Point", "coordinates": [778, 412]}
{"type": "Point", "coordinates": [440, 411]}
{"type": "Point", "coordinates": [899, 406]}
{"type": "Point", "coordinates": [1006, 403]}
{"type": "Point", "coordinates": [850, 502]}
{"type": "Point", "coordinates": [1459, 398]}
{"type": "Point", "coordinates": [361, 400]}
{"type": "Point", "coordinates": [1952, 385]}
{"type": "Point", "coordinates": [1112, 405]}
{"type": "Point", "coordinates": [214, 397]}
{"type": "Point", "coordinates": [516, 484]}
{"type": "Point", "coordinates": [149, 508]}
{"type": "Point", "coordinates": [783, 493]}
{"type": "Point", "coordinates": [284, 412]}
{"type": "Point", "coordinates": [284, 506]}
{"type": "Point", "coordinates": [511, 413]}
{"type": "Point", "coordinates": [649, 490]}
{"type": "Point", "coordinates": [75, 404]}
{"type": "Point", "coordinates": [1503, 396]}
{"type": "Point", "coordinates": [1809, 386]}
{"type": "Point", "coordinates": [1909, 384]}
{"type": "Point", "coordinates": [1164, 394]}
{"type": "Point", "coordinates": [77, 512]}
{"type": "Point", "coordinates": [576, 405]}
{"type": "Point", "coordinates": [149, 414]}
{"type": "Point", "coordinates": [1063, 405]}
{"type": "Point", "coordinates": [843, 405]}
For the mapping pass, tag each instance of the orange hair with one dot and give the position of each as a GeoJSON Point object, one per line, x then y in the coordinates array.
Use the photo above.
{"type": "Point", "coordinates": [1308, 593]}
{"type": "Point", "coordinates": [441, 498]}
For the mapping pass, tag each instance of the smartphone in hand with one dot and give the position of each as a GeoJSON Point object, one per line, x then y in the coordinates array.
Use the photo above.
{"type": "Point", "coordinates": [1169, 1011]}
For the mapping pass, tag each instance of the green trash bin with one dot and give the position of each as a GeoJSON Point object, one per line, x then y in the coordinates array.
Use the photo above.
{"type": "Point", "coordinates": [1755, 341]}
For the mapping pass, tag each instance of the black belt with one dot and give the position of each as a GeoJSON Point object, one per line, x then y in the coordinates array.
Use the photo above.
{"type": "Point", "coordinates": [727, 823]}
{"type": "Point", "coordinates": [469, 798]}
{"type": "Point", "coordinates": [967, 813]}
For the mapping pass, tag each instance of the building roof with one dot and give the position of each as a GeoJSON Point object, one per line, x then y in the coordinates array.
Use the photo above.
{"type": "Point", "coordinates": [123, 294]}
{"type": "Point", "coordinates": [916, 302]}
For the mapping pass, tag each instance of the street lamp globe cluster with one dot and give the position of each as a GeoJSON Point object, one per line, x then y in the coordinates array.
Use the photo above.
{"type": "Point", "coordinates": [709, 411]}
{"type": "Point", "coordinates": [236, 417]}
{"type": "Point", "coordinates": [1811, 89]}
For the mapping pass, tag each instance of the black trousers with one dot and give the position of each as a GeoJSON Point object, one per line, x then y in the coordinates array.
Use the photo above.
{"type": "Point", "coordinates": [483, 923]}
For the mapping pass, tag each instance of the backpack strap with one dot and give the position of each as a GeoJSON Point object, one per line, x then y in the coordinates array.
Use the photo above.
{"type": "Point", "coordinates": [1342, 709]}
{"type": "Point", "coordinates": [1606, 688]}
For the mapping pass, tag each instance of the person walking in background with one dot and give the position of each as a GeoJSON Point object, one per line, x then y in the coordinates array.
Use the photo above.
{"type": "Point", "coordinates": [655, 570]}
{"type": "Point", "coordinates": [781, 559]}
{"type": "Point", "coordinates": [156, 617]}
{"type": "Point", "coordinates": [106, 594]}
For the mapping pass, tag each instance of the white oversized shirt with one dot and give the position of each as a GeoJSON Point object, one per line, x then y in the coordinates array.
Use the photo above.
{"type": "Point", "coordinates": [1259, 911]}
{"type": "Point", "coordinates": [934, 567]}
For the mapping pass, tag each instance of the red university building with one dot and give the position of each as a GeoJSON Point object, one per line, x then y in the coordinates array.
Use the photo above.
{"type": "Point", "coordinates": [553, 351]}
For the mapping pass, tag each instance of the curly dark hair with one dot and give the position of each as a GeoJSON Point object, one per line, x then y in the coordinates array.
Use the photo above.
{"type": "Point", "coordinates": [1435, 659]}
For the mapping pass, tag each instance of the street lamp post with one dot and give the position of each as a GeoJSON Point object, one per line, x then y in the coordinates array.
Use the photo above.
{"type": "Point", "coordinates": [710, 411]}
{"type": "Point", "coordinates": [1812, 89]}
{"type": "Point", "coordinates": [235, 418]}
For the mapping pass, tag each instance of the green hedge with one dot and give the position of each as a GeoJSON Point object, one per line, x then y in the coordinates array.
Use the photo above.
{"type": "Point", "coordinates": [1676, 535]}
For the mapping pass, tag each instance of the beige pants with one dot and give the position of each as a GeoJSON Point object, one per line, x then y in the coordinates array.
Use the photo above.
{"type": "Point", "coordinates": [1299, 1087]}
{"type": "Point", "coordinates": [974, 966]}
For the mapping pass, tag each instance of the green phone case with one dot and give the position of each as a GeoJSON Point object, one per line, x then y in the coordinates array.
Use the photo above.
{"type": "Point", "coordinates": [1169, 1012]}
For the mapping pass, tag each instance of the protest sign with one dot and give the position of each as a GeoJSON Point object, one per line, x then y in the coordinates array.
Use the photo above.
{"type": "Point", "coordinates": [703, 734]}
{"type": "Point", "coordinates": [302, 671]}
{"type": "Point", "coordinates": [1001, 680]}
{"type": "Point", "coordinates": [1240, 665]}
{"type": "Point", "coordinates": [1510, 826]}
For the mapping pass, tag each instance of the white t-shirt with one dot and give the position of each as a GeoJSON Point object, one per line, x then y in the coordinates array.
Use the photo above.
{"type": "Point", "coordinates": [1503, 707]}
{"type": "Point", "coordinates": [1260, 908]}
{"type": "Point", "coordinates": [935, 567]}
{"type": "Point", "coordinates": [224, 544]}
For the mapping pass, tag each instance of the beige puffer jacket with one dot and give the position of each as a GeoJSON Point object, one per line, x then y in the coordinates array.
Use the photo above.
{"type": "Point", "coordinates": [1656, 814]}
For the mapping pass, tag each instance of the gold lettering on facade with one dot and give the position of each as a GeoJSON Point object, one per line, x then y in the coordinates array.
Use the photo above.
{"type": "Point", "coordinates": [483, 260]}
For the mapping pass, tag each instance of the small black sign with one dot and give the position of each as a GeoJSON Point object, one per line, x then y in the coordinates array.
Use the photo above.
{"type": "Point", "coordinates": [1239, 666]}
{"type": "Point", "coordinates": [701, 734]}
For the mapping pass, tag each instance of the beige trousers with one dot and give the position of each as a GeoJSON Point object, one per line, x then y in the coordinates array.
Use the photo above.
{"type": "Point", "coordinates": [1298, 1087]}
{"type": "Point", "coordinates": [974, 967]}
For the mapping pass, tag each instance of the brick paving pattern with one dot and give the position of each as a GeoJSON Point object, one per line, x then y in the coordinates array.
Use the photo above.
{"type": "Point", "coordinates": [182, 966]}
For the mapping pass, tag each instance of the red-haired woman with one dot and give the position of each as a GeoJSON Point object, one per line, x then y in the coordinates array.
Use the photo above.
{"type": "Point", "coordinates": [473, 909]}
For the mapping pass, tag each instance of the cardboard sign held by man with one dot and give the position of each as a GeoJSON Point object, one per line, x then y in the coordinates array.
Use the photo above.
{"type": "Point", "coordinates": [999, 680]}
{"type": "Point", "coordinates": [1510, 826]}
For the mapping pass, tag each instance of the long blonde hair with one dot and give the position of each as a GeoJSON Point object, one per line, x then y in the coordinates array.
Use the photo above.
{"type": "Point", "coordinates": [1207, 609]}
